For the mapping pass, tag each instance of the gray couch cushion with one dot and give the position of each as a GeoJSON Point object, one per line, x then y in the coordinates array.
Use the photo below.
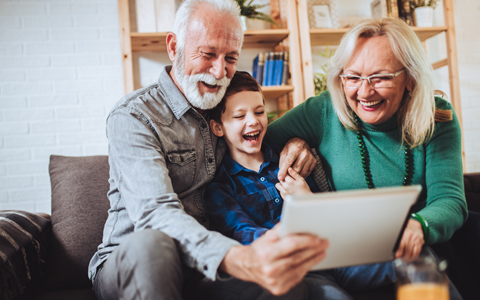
{"type": "Point", "coordinates": [79, 211]}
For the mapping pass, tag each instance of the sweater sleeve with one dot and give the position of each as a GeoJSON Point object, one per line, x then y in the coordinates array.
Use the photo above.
{"type": "Point", "coordinates": [446, 208]}
{"type": "Point", "coordinates": [303, 121]}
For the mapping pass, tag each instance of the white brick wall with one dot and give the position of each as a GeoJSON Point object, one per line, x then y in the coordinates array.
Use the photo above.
{"type": "Point", "coordinates": [60, 74]}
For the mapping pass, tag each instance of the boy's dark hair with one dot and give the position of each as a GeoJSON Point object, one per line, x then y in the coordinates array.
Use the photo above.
{"type": "Point", "coordinates": [241, 81]}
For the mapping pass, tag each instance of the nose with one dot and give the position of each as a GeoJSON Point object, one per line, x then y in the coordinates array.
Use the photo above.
{"type": "Point", "coordinates": [366, 89]}
{"type": "Point", "coordinates": [252, 119]}
{"type": "Point", "coordinates": [218, 68]}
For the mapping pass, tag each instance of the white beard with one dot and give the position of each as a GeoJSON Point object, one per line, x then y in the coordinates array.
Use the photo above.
{"type": "Point", "coordinates": [189, 85]}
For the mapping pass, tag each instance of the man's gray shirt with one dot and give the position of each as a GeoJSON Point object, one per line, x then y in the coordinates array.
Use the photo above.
{"type": "Point", "coordinates": [161, 156]}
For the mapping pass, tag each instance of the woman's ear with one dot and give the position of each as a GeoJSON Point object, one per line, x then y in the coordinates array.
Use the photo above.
{"type": "Point", "coordinates": [216, 128]}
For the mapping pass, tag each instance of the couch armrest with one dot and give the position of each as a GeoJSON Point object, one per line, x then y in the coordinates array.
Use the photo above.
{"type": "Point", "coordinates": [472, 191]}
{"type": "Point", "coordinates": [22, 250]}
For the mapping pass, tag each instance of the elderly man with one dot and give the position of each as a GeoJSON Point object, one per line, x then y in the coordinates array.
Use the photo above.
{"type": "Point", "coordinates": [161, 154]}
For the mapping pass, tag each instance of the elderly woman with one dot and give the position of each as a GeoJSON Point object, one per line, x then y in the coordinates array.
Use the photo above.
{"type": "Point", "coordinates": [381, 125]}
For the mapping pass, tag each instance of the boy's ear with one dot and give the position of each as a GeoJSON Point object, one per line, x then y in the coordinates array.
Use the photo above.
{"type": "Point", "coordinates": [216, 128]}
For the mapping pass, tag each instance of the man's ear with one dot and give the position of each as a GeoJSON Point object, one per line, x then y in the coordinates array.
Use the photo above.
{"type": "Point", "coordinates": [171, 45]}
{"type": "Point", "coordinates": [216, 128]}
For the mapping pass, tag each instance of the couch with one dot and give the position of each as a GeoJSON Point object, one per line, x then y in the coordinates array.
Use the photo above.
{"type": "Point", "coordinates": [51, 262]}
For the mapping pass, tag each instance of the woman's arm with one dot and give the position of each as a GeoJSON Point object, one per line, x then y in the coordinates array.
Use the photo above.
{"type": "Point", "coordinates": [446, 208]}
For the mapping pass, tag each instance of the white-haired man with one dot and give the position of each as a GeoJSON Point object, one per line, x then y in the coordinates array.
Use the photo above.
{"type": "Point", "coordinates": [161, 155]}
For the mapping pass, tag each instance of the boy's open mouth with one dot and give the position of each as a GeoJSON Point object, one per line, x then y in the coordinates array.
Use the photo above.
{"type": "Point", "coordinates": [252, 136]}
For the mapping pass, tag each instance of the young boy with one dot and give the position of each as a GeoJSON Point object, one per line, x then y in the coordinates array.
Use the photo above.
{"type": "Point", "coordinates": [245, 197]}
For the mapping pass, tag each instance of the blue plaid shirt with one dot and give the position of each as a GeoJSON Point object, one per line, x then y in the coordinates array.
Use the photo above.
{"type": "Point", "coordinates": [244, 204]}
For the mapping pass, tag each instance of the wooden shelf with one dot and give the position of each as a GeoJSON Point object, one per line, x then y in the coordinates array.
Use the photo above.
{"type": "Point", "coordinates": [155, 41]}
{"type": "Point", "coordinates": [276, 91]}
{"type": "Point", "coordinates": [322, 37]}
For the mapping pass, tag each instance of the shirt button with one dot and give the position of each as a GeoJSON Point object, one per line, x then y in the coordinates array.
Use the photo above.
{"type": "Point", "coordinates": [205, 267]}
{"type": "Point", "coordinates": [220, 204]}
{"type": "Point", "coordinates": [262, 178]}
{"type": "Point", "coordinates": [277, 200]}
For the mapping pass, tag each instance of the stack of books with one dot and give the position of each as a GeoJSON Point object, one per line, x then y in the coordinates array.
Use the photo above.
{"type": "Point", "coordinates": [271, 68]}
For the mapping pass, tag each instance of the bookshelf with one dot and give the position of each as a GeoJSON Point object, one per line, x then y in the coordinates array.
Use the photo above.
{"type": "Point", "coordinates": [321, 37]}
{"type": "Point", "coordinates": [285, 39]}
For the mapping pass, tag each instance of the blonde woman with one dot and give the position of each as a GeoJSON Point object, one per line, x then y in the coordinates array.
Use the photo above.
{"type": "Point", "coordinates": [379, 124]}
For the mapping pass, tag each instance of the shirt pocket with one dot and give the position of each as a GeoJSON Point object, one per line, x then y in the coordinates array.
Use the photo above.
{"type": "Point", "coordinates": [181, 168]}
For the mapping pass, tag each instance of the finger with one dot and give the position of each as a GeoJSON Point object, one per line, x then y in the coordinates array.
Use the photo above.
{"type": "Point", "coordinates": [281, 189]}
{"type": "Point", "coordinates": [294, 174]}
{"type": "Point", "coordinates": [401, 247]}
{"type": "Point", "coordinates": [312, 164]}
{"type": "Point", "coordinates": [300, 162]}
{"type": "Point", "coordinates": [293, 243]}
{"type": "Point", "coordinates": [286, 161]}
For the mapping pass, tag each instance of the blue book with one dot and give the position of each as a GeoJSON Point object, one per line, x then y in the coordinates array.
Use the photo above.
{"type": "Point", "coordinates": [254, 67]}
{"type": "Point", "coordinates": [271, 68]}
{"type": "Point", "coordinates": [279, 73]}
{"type": "Point", "coordinates": [265, 69]}
{"type": "Point", "coordinates": [260, 67]}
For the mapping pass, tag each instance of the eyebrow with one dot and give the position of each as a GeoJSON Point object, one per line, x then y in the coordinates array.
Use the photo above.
{"type": "Point", "coordinates": [348, 71]}
{"type": "Point", "coordinates": [212, 48]}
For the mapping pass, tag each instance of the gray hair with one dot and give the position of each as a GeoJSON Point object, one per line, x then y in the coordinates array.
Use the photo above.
{"type": "Point", "coordinates": [187, 9]}
{"type": "Point", "coordinates": [417, 111]}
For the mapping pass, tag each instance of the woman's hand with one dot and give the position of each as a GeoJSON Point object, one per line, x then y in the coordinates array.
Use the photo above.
{"type": "Point", "coordinates": [294, 184]}
{"type": "Point", "coordinates": [411, 242]}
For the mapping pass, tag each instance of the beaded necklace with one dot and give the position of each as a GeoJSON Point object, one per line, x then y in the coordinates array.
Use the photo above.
{"type": "Point", "coordinates": [365, 159]}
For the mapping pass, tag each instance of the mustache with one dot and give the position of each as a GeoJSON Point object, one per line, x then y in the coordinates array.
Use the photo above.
{"type": "Point", "coordinates": [208, 79]}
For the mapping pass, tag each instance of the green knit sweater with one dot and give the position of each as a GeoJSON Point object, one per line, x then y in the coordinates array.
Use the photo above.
{"type": "Point", "coordinates": [437, 164]}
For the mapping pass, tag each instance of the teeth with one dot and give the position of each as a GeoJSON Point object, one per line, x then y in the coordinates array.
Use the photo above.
{"type": "Point", "coordinates": [252, 134]}
{"type": "Point", "coordinates": [370, 103]}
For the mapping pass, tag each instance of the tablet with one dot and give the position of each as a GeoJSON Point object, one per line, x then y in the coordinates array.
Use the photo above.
{"type": "Point", "coordinates": [362, 226]}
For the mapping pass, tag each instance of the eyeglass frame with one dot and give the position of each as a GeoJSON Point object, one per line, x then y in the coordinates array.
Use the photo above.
{"type": "Point", "coordinates": [362, 78]}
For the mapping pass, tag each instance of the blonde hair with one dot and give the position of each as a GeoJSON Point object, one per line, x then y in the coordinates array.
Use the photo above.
{"type": "Point", "coordinates": [417, 113]}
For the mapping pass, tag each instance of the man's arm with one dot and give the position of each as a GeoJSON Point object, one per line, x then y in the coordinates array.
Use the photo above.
{"type": "Point", "coordinates": [277, 264]}
{"type": "Point", "coordinates": [138, 169]}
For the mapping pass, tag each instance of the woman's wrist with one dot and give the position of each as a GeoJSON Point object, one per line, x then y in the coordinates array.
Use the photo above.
{"type": "Point", "coordinates": [424, 223]}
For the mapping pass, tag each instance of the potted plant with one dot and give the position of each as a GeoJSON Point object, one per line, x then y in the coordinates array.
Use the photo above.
{"type": "Point", "coordinates": [320, 79]}
{"type": "Point", "coordinates": [249, 11]}
{"type": "Point", "coordinates": [423, 12]}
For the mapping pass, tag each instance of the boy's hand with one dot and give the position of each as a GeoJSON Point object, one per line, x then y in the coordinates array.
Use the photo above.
{"type": "Point", "coordinates": [294, 184]}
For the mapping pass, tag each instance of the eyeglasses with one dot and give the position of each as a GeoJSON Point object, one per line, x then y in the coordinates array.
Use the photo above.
{"type": "Point", "coordinates": [376, 81]}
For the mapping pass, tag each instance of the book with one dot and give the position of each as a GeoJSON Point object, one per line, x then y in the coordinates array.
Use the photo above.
{"type": "Point", "coordinates": [260, 67]}
{"type": "Point", "coordinates": [392, 8]}
{"type": "Point", "coordinates": [279, 72]}
{"type": "Point", "coordinates": [255, 67]}
{"type": "Point", "coordinates": [265, 69]}
{"type": "Point", "coordinates": [270, 66]}
{"type": "Point", "coordinates": [276, 67]}
{"type": "Point", "coordinates": [405, 12]}
{"type": "Point", "coordinates": [285, 69]}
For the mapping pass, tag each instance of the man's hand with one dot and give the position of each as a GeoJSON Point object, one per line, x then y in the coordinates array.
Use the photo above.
{"type": "Point", "coordinates": [296, 154]}
{"type": "Point", "coordinates": [411, 242]}
{"type": "Point", "coordinates": [277, 264]}
{"type": "Point", "coordinates": [294, 184]}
